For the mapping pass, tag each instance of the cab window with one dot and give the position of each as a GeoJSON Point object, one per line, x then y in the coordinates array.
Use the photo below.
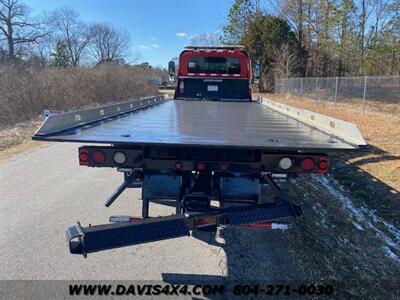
{"type": "Point", "coordinates": [220, 65]}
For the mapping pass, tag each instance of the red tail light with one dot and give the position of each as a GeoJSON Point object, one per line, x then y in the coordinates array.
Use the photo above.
{"type": "Point", "coordinates": [178, 165]}
{"type": "Point", "coordinates": [98, 157]}
{"type": "Point", "coordinates": [323, 165]}
{"type": "Point", "coordinates": [83, 157]}
{"type": "Point", "coordinates": [181, 87]}
{"type": "Point", "coordinates": [307, 164]}
{"type": "Point", "coordinates": [223, 166]}
{"type": "Point", "coordinates": [201, 166]}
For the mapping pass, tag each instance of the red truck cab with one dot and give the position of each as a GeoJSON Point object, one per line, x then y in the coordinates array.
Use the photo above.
{"type": "Point", "coordinates": [213, 73]}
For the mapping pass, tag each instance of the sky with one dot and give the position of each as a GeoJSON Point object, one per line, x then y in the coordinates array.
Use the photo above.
{"type": "Point", "coordinates": [159, 29]}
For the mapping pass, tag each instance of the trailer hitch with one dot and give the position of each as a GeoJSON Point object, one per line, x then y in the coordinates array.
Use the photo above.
{"type": "Point", "coordinates": [84, 240]}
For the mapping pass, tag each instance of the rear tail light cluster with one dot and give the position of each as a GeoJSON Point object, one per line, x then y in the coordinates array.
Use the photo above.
{"type": "Point", "coordinates": [201, 166]}
{"type": "Point", "coordinates": [314, 164]}
{"type": "Point", "coordinates": [323, 165]}
{"type": "Point", "coordinates": [83, 157]}
{"type": "Point", "coordinates": [319, 165]}
{"type": "Point", "coordinates": [285, 163]}
{"type": "Point", "coordinates": [224, 166]}
{"type": "Point", "coordinates": [307, 164]}
{"type": "Point", "coordinates": [119, 157]}
{"type": "Point", "coordinates": [178, 165]}
{"type": "Point", "coordinates": [97, 157]}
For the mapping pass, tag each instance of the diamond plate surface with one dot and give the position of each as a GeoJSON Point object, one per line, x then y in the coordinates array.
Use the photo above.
{"type": "Point", "coordinates": [262, 214]}
{"type": "Point", "coordinates": [102, 237]}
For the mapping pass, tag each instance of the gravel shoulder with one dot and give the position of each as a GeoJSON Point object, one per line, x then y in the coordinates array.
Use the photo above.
{"type": "Point", "coordinates": [16, 139]}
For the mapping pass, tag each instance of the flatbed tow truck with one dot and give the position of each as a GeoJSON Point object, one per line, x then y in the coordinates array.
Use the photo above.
{"type": "Point", "coordinates": [212, 152]}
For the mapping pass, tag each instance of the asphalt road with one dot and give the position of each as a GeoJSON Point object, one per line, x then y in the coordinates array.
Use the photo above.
{"type": "Point", "coordinates": [45, 191]}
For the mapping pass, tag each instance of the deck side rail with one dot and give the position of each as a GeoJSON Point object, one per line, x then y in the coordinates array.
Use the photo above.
{"type": "Point", "coordinates": [346, 131]}
{"type": "Point", "coordinates": [56, 123]}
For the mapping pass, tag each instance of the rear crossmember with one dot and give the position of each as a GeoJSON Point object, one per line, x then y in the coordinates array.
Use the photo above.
{"type": "Point", "coordinates": [190, 179]}
{"type": "Point", "coordinates": [84, 240]}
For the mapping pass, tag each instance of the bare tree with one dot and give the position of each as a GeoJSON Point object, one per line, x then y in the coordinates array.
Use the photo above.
{"type": "Point", "coordinates": [205, 39]}
{"type": "Point", "coordinates": [374, 17]}
{"type": "Point", "coordinates": [2, 54]}
{"type": "Point", "coordinates": [15, 28]}
{"type": "Point", "coordinates": [286, 62]}
{"type": "Point", "coordinates": [68, 27]}
{"type": "Point", "coordinates": [42, 49]}
{"type": "Point", "coordinates": [108, 44]}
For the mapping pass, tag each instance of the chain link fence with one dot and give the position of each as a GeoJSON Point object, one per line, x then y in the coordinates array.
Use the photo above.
{"type": "Point", "coordinates": [366, 92]}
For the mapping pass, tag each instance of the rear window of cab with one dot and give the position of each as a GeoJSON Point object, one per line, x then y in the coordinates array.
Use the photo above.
{"type": "Point", "coordinates": [217, 65]}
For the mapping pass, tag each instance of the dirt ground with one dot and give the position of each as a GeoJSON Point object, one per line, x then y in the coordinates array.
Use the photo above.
{"type": "Point", "coordinates": [17, 139]}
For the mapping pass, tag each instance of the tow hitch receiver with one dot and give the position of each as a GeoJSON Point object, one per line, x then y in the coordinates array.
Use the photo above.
{"type": "Point", "coordinates": [83, 240]}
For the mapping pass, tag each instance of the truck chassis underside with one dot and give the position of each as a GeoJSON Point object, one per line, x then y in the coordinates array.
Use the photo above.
{"type": "Point", "coordinates": [248, 186]}
{"type": "Point", "coordinates": [192, 207]}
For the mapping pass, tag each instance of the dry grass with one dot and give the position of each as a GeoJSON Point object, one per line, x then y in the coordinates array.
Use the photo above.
{"type": "Point", "coordinates": [168, 93]}
{"type": "Point", "coordinates": [16, 139]}
{"type": "Point", "coordinates": [326, 242]}
{"type": "Point", "coordinates": [26, 91]}
{"type": "Point", "coordinates": [380, 129]}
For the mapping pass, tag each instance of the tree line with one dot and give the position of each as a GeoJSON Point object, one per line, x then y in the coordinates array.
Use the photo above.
{"type": "Point", "coordinates": [306, 38]}
{"type": "Point", "coordinates": [57, 61]}
{"type": "Point", "coordinates": [58, 37]}
{"type": "Point", "coordinates": [291, 38]}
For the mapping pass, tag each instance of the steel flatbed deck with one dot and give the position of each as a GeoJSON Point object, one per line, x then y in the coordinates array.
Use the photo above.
{"type": "Point", "coordinates": [227, 152]}
{"type": "Point", "coordinates": [194, 123]}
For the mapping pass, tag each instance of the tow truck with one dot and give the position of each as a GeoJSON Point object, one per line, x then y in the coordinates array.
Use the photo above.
{"type": "Point", "coordinates": [216, 155]}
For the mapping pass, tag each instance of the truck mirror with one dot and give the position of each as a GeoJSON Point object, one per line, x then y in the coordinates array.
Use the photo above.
{"type": "Point", "coordinates": [171, 68]}
{"type": "Point", "coordinates": [257, 70]}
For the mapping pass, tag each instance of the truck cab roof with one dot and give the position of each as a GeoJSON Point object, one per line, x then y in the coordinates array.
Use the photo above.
{"type": "Point", "coordinates": [224, 47]}
{"type": "Point", "coordinates": [191, 64]}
